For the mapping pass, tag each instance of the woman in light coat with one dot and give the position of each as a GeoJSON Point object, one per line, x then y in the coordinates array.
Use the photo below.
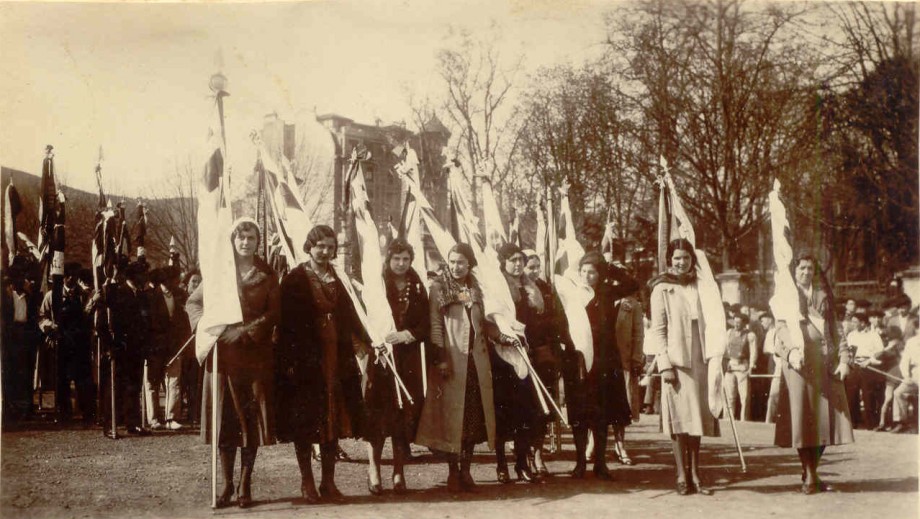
{"type": "Point", "coordinates": [458, 411]}
{"type": "Point", "coordinates": [683, 359]}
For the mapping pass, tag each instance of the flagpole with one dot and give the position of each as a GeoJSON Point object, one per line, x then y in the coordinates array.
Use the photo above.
{"type": "Point", "coordinates": [217, 83]}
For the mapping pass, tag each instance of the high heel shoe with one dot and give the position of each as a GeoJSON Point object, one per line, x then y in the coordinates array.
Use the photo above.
{"type": "Point", "coordinates": [399, 484]}
{"type": "Point", "coordinates": [244, 496]}
{"type": "Point", "coordinates": [601, 472]}
{"type": "Point", "coordinates": [225, 499]}
{"type": "Point", "coordinates": [525, 474]}
{"type": "Point", "coordinates": [309, 494]}
{"type": "Point", "coordinates": [698, 488]}
{"type": "Point", "coordinates": [682, 488]}
{"type": "Point", "coordinates": [501, 474]}
{"type": "Point", "coordinates": [467, 483]}
{"type": "Point", "coordinates": [375, 490]}
{"type": "Point", "coordinates": [330, 493]}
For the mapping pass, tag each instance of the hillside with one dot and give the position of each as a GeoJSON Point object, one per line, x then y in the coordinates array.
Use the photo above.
{"type": "Point", "coordinates": [81, 210]}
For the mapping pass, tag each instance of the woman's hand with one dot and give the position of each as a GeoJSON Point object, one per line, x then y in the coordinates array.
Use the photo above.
{"type": "Point", "coordinates": [233, 333]}
{"type": "Point", "coordinates": [444, 370]}
{"type": "Point", "coordinates": [669, 377]}
{"type": "Point", "coordinates": [795, 359]}
{"type": "Point", "coordinates": [842, 371]}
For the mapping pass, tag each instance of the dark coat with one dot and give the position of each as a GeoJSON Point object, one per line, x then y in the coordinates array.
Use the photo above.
{"type": "Point", "coordinates": [245, 365]}
{"type": "Point", "coordinates": [317, 379]}
{"type": "Point", "coordinates": [598, 397]}
{"type": "Point", "coordinates": [169, 332]}
{"type": "Point", "coordinates": [411, 313]}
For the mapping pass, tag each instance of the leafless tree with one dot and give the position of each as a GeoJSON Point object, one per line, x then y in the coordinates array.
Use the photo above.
{"type": "Point", "coordinates": [173, 213]}
{"type": "Point", "coordinates": [478, 82]}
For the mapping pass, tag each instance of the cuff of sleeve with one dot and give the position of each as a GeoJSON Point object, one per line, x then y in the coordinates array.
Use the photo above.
{"type": "Point", "coordinates": [664, 363]}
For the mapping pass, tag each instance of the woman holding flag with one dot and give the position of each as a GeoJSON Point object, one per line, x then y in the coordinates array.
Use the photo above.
{"type": "Point", "coordinates": [676, 338]}
{"type": "Point", "coordinates": [596, 395]}
{"type": "Point", "coordinates": [458, 412]}
{"type": "Point", "coordinates": [317, 375]}
{"type": "Point", "coordinates": [812, 411]}
{"type": "Point", "coordinates": [245, 417]}
{"type": "Point", "coordinates": [517, 409]}
{"type": "Point", "coordinates": [388, 414]}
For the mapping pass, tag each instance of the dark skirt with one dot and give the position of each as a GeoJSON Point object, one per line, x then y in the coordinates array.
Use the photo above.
{"type": "Point", "coordinates": [244, 397]}
{"type": "Point", "coordinates": [596, 398]}
{"type": "Point", "coordinates": [517, 408]}
{"type": "Point", "coordinates": [474, 417]}
{"type": "Point", "coordinates": [383, 415]}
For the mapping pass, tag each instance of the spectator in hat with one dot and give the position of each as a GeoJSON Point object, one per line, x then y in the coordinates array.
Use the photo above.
{"type": "Point", "coordinates": [70, 329]}
{"type": "Point", "coordinates": [902, 318]}
{"type": "Point", "coordinates": [20, 339]}
{"type": "Point", "coordinates": [169, 329]}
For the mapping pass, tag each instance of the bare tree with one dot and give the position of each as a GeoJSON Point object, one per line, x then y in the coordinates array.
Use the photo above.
{"type": "Point", "coordinates": [478, 83]}
{"type": "Point", "coordinates": [174, 214]}
{"type": "Point", "coordinates": [726, 99]}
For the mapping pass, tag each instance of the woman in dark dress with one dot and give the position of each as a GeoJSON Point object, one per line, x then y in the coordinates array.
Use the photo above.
{"type": "Point", "coordinates": [459, 410]}
{"type": "Point", "coordinates": [596, 397]}
{"type": "Point", "coordinates": [518, 415]}
{"type": "Point", "coordinates": [318, 379]}
{"type": "Point", "coordinates": [812, 410]}
{"type": "Point", "coordinates": [246, 417]}
{"type": "Point", "coordinates": [546, 354]}
{"type": "Point", "coordinates": [409, 305]}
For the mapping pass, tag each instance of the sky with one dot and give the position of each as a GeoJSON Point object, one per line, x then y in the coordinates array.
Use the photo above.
{"type": "Point", "coordinates": [133, 78]}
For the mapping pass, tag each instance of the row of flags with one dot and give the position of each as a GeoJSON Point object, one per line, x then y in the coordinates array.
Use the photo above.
{"type": "Point", "coordinates": [556, 244]}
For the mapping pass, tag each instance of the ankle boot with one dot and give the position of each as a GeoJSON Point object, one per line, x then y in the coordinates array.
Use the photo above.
{"type": "Point", "coordinates": [327, 488]}
{"type": "Point", "coordinates": [600, 454]}
{"type": "Point", "coordinates": [227, 459]}
{"type": "Point", "coordinates": [304, 454]}
{"type": "Point", "coordinates": [501, 463]}
{"type": "Point", "coordinates": [453, 474]}
{"type": "Point", "coordinates": [467, 484]}
{"type": "Point", "coordinates": [580, 436]}
{"type": "Point", "coordinates": [247, 463]}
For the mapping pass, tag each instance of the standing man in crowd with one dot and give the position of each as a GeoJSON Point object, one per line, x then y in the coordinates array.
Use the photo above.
{"type": "Point", "coordinates": [866, 384]}
{"type": "Point", "coordinates": [20, 338]}
{"type": "Point", "coordinates": [741, 358]}
{"type": "Point", "coordinates": [71, 332]}
{"type": "Point", "coordinates": [129, 328]}
{"type": "Point", "coordinates": [171, 325]}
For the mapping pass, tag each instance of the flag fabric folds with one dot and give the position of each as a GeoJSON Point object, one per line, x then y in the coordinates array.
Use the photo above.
{"type": "Point", "coordinates": [498, 306]}
{"type": "Point", "coordinates": [378, 323]}
{"type": "Point", "coordinates": [715, 333]}
{"type": "Point", "coordinates": [573, 293]}
{"type": "Point", "coordinates": [785, 301]}
{"type": "Point", "coordinates": [412, 226]}
{"type": "Point", "coordinates": [12, 206]}
{"type": "Point", "coordinates": [215, 248]}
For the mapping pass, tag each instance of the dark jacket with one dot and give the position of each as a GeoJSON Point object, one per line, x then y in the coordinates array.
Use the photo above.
{"type": "Point", "coordinates": [318, 382]}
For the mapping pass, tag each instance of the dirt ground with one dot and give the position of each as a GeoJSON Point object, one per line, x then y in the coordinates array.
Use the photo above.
{"type": "Point", "coordinates": [55, 472]}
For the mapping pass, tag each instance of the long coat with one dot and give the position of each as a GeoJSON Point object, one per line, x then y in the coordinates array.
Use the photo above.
{"type": "Point", "coordinates": [245, 366]}
{"type": "Point", "coordinates": [441, 423]}
{"type": "Point", "coordinates": [318, 379]}
{"type": "Point", "coordinates": [630, 333]}
{"type": "Point", "coordinates": [813, 408]}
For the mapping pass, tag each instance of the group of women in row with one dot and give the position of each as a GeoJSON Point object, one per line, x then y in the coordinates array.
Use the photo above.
{"type": "Point", "coordinates": [300, 369]}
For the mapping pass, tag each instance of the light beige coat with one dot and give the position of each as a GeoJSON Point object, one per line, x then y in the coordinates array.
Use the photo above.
{"type": "Point", "coordinates": [441, 424]}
